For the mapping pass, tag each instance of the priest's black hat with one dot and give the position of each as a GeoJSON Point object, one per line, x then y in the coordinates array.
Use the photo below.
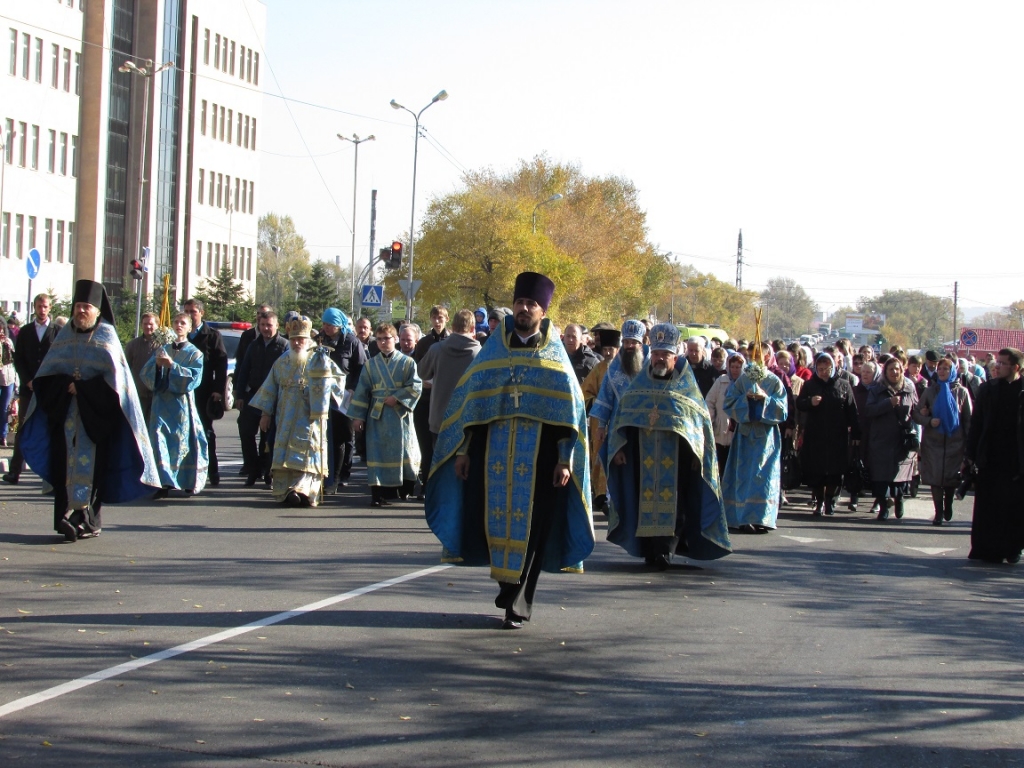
{"type": "Point", "coordinates": [94, 293]}
{"type": "Point", "coordinates": [535, 286]}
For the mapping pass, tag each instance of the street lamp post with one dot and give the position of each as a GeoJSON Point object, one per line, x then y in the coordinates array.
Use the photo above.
{"type": "Point", "coordinates": [441, 96]}
{"type": "Point", "coordinates": [553, 198]}
{"type": "Point", "coordinates": [146, 72]}
{"type": "Point", "coordinates": [355, 176]}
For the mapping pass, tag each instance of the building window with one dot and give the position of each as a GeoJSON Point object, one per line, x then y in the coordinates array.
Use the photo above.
{"type": "Point", "coordinates": [234, 261]}
{"type": "Point", "coordinates": [60, 240]}
{"type": "Point", "coordinates": [22, 143]}
{"type": "Point", "coordinates": [222, 123]}
{"type": "Point", "coordinates": [224, 58]}
{"type": "Point", "coordinates": [238, 183]}
{"type": "Point", "coordinates": [31, 232]}
{"type": "Point", "coordinates": [213, 178]}
{"type": "Point", "coordinates": [246, 131]}
{"type": "Point", "coordinates": [248, 65]}
{"type": "Point", "coordinates": [63, 154]}
{"type": "Point", "coordinates": [74, 156]}
{"type": "Point", "coordinates": [231, 118]}
{"type": "Point", "coordinates": [19, 222]}
{"type": "Point", "coordinates": [245, 195]}
{"type": "Point", "coordinates": [231, 70]}
{"type": "Point", "coordinates": [254, 134]}
{"type": "Point", "coordinates": [54, 66]}
{"type": "Point", "coordinates": [26, 51]}
{"type": "Point", "coordinates": [220, 189]}
{"type": "Point", "coordinates": [199, 257]}
{"type": "Point", "coordinates": [206, 47]}
{"type": "Point", "coordinates": [227, 197]}
{"type": "Point", "coordinates": [209, 257]}
{"type": "Point", "coordinates": [13, 68]}
{"type": "Point", "coordinates": [241, 62]}
{"type": "Point", "coordinates": [252, 194]}
{"type": "Point", "coordinates": [35, 147]}
{"type": "Point", "coordinates": [201, 172]}
{"type": "Point", "coordinates": [248, 264]}
{"type": "Point", "coordinates": [5, 234]}
{"type": "Point", "coordinates": [48, 240]}
{"type": "Point", "coordinates": [39, 59]}
{"type": "Point", "coordinates": [256, 69]}
{"type": "Point", "coordinates": [202, 118]}
{"type": "Point", "coordinates": [216, 52]}
{"type": "Point", "coordinates": [67, 70]}
{"type": "Point", "coordinates": [78, 73]}
{"type": "Point", "coordinates": [239, 139]}
{"type": "Point", "coordinates": [71, 242]}
{"type": "Point", "coordinates": [53, 152]}
{"type": "Point", "coordinates": [8, 137]}
{"type": "Point", "coordinates": [216, 262]}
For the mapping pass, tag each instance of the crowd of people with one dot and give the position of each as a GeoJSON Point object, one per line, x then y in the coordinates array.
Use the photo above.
{"type": "Point", "coordinates": [512, 432]}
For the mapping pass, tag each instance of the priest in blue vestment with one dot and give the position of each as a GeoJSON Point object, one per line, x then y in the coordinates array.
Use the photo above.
{"type": "Point", "coordinates": [172, 374]}
{"type": "Point", "coordinates": [510, 482]}
{"type": "Point", "coordinates": [663, 490]}
{"type": "Point", "coordinates": [757, 402]}
{"type": "Point", "coordinates": [383, 404]}
{"type": "Point", "coordinates": [85, 433]}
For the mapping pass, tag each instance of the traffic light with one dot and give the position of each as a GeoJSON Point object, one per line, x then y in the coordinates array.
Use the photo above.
{"type": "Point", "coordinates": [135, 269]}
{"type": "Point", "coordinates": [395, 261]}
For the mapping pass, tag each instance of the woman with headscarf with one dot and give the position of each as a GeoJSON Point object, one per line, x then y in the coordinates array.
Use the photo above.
{"type": "Point", "coordinates": [944, 412]}
{"type": "Point", "coordinates": [724, 427]}
{"type": "Point", "coordinates": [867, 379]}
{"type": "Point", "coordinates": [830, 423]}
{"type": "Point", "coordinates": [888, 415]}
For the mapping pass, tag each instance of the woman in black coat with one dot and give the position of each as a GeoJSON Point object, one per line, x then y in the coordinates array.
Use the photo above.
{"type": "Point", "coordinates": [830, 422]}
{"type": "Point", "coordinates": [891, 402]}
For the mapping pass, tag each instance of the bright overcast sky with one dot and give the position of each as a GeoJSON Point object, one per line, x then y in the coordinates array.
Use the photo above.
{"type": "Point", "coordinates": [859, 145]}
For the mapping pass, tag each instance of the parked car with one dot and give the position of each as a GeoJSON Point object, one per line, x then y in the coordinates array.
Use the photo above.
{"type": "Point", "coordinates": [231, 332]}
{"type": "Point", "coordinates": [689, 330]}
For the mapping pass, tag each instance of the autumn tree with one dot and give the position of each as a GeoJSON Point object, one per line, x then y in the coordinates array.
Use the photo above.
{"type": "Point", "coordinates": [788, 309]}
{"type": "Point", "coordinates": [913, 319]}
{"type": "Point", "coordinates": [695, 297]}
{"type": "Point", "coordinates": [592, 243]}
{"type": "Point", "coordinates": [282, 262]}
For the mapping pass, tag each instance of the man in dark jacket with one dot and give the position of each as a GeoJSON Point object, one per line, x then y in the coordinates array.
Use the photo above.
{"type": "Point", "coordinates": [350, 355]}
{"type": "Point", "coordinates": [444, 364]}
{"type": "Point", "coordinates": [703, 371]}
{"type": "Point", "coordinates": [421, 416]}
{"type": "Point", "coordinates": [214, 386]}
{"type": "Point", "coordinates": [582, 357]}
{"type": "Point", "coordinates": [249, 334]}
{"type": "Point", "coordinates": [31, 346]}
{"type": "Point", "coordinates": [250, 374]}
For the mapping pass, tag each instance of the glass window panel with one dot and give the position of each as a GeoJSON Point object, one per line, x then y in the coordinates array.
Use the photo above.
{"type": "Point", "coordinates": [48, 240]}
{"type": "Point", "coordinates": [67, 70]}
{"type": "Point", "coordinates": [54, 66]}
{"type": "Point", "coordinates": [201, 172]}
{"type": "Point", "coordinates": [12, 70]}
{"type": "Point", "coordinates": [35, 147]}
{"type": "Point", "coordinates": [60, 240]}
{"type": "Point", "coordinates": [53, 152]}
{"type": "Point", "coordinates": [26, 50]}
{"type": "Point", "coordinates": [19, 223]}
{"type": "Point", "coordinates": [39, 60]}
{"type": "Point", "coordinates": [216, 52]}
{"type": "Point", "coordinates": [206, 46]}
{"type": "Point", "coordinates": [22, 143]}
{"type": "Point", "coordinates": [231, 69]}
{"type": "Point", "coordinates": [63, 154]}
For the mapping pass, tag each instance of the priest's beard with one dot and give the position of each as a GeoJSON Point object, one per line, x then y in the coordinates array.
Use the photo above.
{"type": "Point", "coordinates": [660, 370]}
{"type": "Point", "coordinates": [301, 356]}
{"type": "Point", "coordinates": [632, 360]}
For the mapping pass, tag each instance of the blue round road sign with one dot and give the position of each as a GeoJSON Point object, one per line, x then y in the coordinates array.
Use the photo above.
{"type": "Point", "coordinates": [32, 264]}
{"type": "Point", "coordinates": [969, 338]}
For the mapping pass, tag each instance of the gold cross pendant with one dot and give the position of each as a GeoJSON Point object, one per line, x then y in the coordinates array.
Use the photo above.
{"type": "Point", "coordinates": [77, 374]}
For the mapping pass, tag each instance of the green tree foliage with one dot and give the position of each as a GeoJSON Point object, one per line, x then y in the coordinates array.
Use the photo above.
{"type": "Point", "coordinates": [282, 262]}
{"type": "Point", "coordinates": [592, 243]}
{"type": "Point", "coordinates": [1007, 318]}
{"type": "Point", "coordinates": [914, 319]}
{"type": "Point", "coordinates": [318, 291]}
{"type": "Point", "coordinates": [788, 309]}
{"type": "Point", "coordinates": [695, 297]}
{"type": "Point", "coordinates": [224, 298]}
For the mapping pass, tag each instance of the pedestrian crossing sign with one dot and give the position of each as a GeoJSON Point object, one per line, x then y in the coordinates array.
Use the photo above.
{"type": "Point", "coordinates": [373, 295]}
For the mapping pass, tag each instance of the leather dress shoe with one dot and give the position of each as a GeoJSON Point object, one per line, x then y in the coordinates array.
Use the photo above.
{"type": "Point", "coordinates": [214, 479]}
{"type": "Point", "coordinates": [9, 478]}
{"type": "Point", "coordinates": [65, 528]}
{"type": "Point", "coordinates": [512, 620]}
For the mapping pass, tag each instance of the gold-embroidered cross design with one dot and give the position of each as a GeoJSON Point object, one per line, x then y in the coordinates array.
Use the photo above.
{"type": "Point", "coordinates": [654, 416]}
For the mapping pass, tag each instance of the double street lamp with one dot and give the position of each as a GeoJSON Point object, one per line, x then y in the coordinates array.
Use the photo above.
{"type": "Point", "coordinates": [441, 96]}
{"type": "Point", "coordinates": [146, 72]}
{"type": "Point", "coordinates": [553, 198]}
{"type": "Point", "coordinates": [355, 176]}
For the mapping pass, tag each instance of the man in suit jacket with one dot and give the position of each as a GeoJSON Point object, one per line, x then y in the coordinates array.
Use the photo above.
{"type": "Point", "coordinates": [32, 345]}
{"type": "Point", "coordinates": [214, 386]}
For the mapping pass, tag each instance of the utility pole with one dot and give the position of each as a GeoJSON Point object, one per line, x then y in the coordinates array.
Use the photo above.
{"type": "Point", "coordinates": [739, 263]}
{"type": "Point", "coordinates": [956, 338]}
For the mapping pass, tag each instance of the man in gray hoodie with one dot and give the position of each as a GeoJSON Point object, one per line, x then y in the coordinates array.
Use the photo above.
{"type": "Point", "coordinates": [445, 362]}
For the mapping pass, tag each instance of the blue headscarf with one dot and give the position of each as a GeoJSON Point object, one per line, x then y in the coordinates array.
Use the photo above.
{"type": "Point", "coordinates": [334, 316]}
{"type": "Point", "coordinates": [946, 410]}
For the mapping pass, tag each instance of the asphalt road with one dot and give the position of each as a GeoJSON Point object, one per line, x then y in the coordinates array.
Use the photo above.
{"type": "Point", "coordinates": [832, 641]}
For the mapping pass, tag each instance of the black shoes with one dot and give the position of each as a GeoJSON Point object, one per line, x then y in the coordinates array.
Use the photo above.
{"type": "Point", "coordinates": [512, 620]}
{"type": "Point", "coordinates": [163, 493]}
{"type": "Point", "coordinates": [659, 562]}
{"type": "Point", "coordinates": [214, 478]}
{"type": "Point", "coordinates": [898, 508]}
{"type": "Point", "coordinates": [829, 509]}
{"type": "Point", "coordinates": [250, 480]}
{"type": "Point", "coordinates": [65, 528]}
{"type": "Point", "coordinates": [817, 509]}
{"type": "Point", "coordinates": [11, 479]}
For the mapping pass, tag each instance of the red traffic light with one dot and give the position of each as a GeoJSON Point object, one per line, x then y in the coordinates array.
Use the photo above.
{"type": "Point", "coordinates": [395, 261]}
{"type": "Point", "coordinates": [135, 269]}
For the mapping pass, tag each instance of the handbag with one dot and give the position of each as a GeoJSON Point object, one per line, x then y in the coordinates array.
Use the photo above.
{"type": "Point", "coordinates": [215, 409]}
{"type": "Point", "coordinates": [910, 442]}
{"type": "Point", "coordinates": [790, 470]}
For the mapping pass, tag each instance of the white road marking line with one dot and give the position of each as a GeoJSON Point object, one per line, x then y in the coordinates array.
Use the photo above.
{"type": "Point", "coordinates": [933, 550]}
{"type": "Point", "coordinates": [130, 666]}
{"type": "Point", "coordinates": [802, 539]}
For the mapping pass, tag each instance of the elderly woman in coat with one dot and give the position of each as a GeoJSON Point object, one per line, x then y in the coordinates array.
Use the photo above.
{"type": "Point", "coordinates": [888, 415]}
{"type": "Point", "coordinates": [944, 412]}
{"type": "Point", "coordinates": [826, 401]}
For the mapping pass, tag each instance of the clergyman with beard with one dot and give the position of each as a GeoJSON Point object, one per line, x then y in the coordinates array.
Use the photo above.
{"type": "Point", "coordinates": [663, 491]}
{"type": "Point", "coordinates": [296, 395]}
{"type": "Point", "coordinates": [84, 433]}
{"type": "Point", "coordinates": [622, 370]}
